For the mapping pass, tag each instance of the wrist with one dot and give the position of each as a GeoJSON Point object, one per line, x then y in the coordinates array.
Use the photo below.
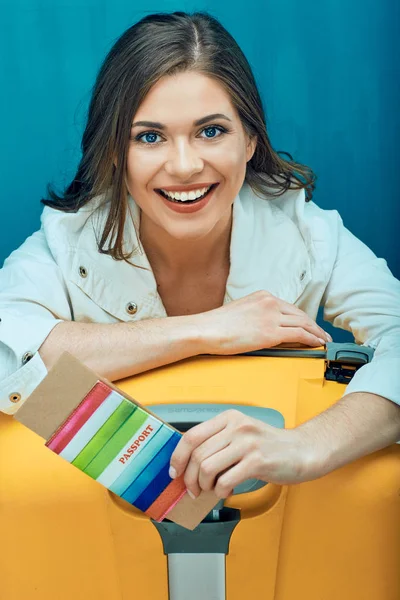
{"type": "Point", "coordinates": [205, 333]}
{"type": "Point", "coordinates": [190, 331]}
{"type": "Point", "coordinates": [315, 455]}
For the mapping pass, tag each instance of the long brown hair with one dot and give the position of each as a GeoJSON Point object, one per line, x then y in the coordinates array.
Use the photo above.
{"type": "Point", "coordinates": [158, 45]}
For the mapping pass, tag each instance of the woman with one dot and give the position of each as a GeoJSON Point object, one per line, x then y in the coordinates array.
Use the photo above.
{"type": "Point", "coordinates": [184, 233]}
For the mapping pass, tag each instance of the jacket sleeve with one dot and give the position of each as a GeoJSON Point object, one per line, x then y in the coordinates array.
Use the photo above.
{"type": "Point", "coordinates": [33, 299]}
{"type": "Point", "coordinates": [363, 297]}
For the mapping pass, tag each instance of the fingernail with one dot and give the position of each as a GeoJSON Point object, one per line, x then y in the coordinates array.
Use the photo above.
{"type": "Point", "coordinates": [329, 337]}
{"type": "Point", "coordinates": [323, 342]}
{"type": "Point", "coordinates": [172, 472]}
{"type": "Point", "coordinates": [193, 497]}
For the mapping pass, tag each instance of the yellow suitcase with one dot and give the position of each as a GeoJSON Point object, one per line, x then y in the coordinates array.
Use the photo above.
{"type": "Point", "coordinates": [65, 537]}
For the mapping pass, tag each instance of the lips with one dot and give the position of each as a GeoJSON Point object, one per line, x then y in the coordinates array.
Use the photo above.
{"type": "Point", "coordinates": [189, 206]}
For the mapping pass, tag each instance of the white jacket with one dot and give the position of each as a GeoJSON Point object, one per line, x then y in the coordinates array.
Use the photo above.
{"type": "Point", "coordinates": [293, 249]}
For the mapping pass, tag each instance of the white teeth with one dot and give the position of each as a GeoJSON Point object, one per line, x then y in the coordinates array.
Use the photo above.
{"type": "Point", "coordinates": [184, 196]}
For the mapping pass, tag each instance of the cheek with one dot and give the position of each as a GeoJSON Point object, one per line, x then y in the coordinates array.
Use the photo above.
{"type": "Point", "coordinates": [233, 159]}
{"type": "Point", "coordinates": [131, 168]}
{"type": "Point", "coordinates": [141, 166]}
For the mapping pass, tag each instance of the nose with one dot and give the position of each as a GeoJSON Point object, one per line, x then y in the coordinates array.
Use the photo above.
{"type": "Point", "coordinates": [183, 161]}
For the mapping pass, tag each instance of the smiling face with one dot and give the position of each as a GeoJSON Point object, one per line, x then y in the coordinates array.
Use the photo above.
{"type": "Point", "coordinates": [187, 156]}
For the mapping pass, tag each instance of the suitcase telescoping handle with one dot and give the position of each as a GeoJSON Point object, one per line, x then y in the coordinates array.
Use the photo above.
{"type": "Point", "coordinates": [196, 559]}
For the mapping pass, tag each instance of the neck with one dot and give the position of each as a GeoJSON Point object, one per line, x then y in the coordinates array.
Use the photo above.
{"type": "Point", "coordinates": [180, 257]}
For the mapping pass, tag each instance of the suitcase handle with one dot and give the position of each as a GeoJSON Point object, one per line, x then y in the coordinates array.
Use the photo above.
{"type": "Point", "coordinates": [184, 416]}
{"type": "Point", "coordinates": [342, 360]}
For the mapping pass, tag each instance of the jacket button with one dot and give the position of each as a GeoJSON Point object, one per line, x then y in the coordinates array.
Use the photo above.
{"type": "Point", "coordinates": [302, 275]}
{"type": "Point", "coordinates": [15, 397]}
{"type": "Point", "coordinates": [131, 308]}
{"type": "Point", "coordinates": [82, 271]}
{"type": "Point", "coordinates": [26, 357]}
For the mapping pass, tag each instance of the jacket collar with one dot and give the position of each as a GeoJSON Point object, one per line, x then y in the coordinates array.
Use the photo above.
{"type": "Point", "coordinates": [267, 253]}
{"type": "Point", "coordinates": [267, 249]}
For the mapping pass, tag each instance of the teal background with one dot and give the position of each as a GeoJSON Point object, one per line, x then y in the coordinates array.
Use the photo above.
{"type": "Point", "coordinates": [328, 73]}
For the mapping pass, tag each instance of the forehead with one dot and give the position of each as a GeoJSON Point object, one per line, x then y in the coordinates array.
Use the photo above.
{"type": "Point", "coordinates": [188, 96]}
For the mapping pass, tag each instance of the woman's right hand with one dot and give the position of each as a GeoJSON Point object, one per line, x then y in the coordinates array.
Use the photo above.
{"type": "Point", "coordinates": [257, 321]}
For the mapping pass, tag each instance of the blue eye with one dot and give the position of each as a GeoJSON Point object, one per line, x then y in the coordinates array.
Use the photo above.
{"type": "Point", "coordinates": [148, 137]}
{"type": "Point", "coordinates": [210, 131]}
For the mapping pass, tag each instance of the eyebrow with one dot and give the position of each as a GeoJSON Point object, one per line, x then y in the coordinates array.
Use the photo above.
{"type": "Point", "coordinates": [201, 121]}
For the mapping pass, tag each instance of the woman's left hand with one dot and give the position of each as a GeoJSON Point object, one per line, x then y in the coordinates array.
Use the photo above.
{"type": "Point", "coordinates": [226, 450]}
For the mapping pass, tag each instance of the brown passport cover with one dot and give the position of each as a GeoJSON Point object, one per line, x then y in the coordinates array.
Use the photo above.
{"type": "Point", "coordinates": [64, 387]}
